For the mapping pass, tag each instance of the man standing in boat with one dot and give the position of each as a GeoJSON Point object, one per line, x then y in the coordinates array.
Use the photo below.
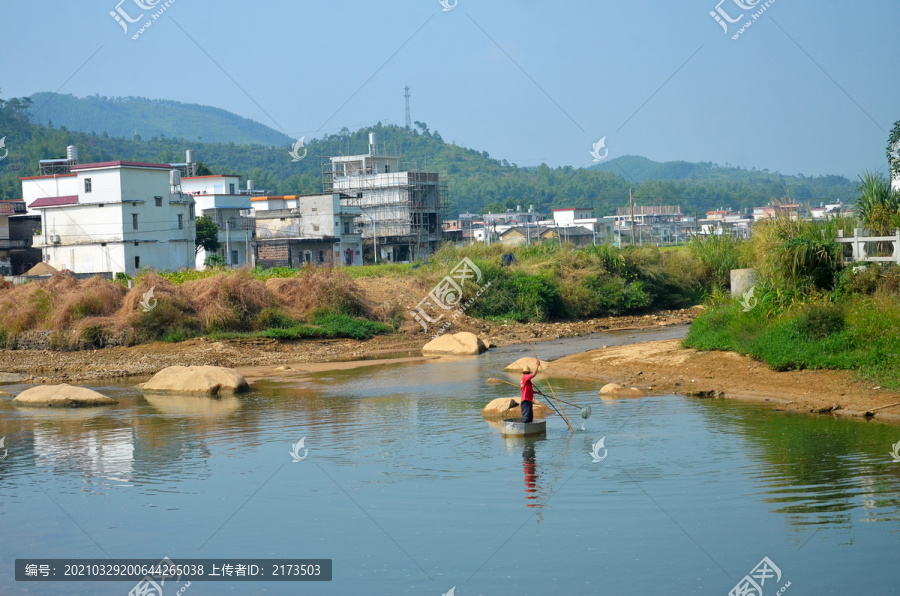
{"type": "Point", "coordinates": [527, 400]}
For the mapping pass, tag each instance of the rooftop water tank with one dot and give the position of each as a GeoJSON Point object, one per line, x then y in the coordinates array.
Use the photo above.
{"type": "Point", "coordinates": [174, 177]}
{"type": "Point", "coordinates": [190, 157]}
{"type": "Point", "coordinates": [72, 153]}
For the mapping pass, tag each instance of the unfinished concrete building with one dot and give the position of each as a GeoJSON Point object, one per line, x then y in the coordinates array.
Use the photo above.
{"type": "Point", "coordinates": [401, 212]}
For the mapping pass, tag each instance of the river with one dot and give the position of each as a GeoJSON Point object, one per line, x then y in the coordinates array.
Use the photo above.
{"type": "Point", "coordinates": [408, 491]}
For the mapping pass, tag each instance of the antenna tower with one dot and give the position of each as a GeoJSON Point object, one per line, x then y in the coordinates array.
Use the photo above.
{"type": "Point", "coordinates": [408, 119]}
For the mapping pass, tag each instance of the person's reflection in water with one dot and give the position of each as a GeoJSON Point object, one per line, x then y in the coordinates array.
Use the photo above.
{"type": "Point", "coordinates": [531, 490]}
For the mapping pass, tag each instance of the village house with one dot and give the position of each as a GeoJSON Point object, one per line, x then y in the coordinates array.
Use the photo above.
{"type": "Point", "coordinates": [220, 198]}
{"type": "Point", "coordinates": [525, 235]}
{"type": "Point", "coordinates": [293, 230]}
{"type": "Point", "coordinates": [602, 228]}
{"type": "Point", "coordinates": [111, 217]}
{"type": "Point", "coordinates": [400, 211]}
{"type": "Point", "coordinates": [17, 227]}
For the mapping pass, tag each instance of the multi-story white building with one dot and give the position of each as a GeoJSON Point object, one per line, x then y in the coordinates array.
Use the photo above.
{"type": "Point", "coordinates": [113, 217]}
{"type": "Point", "coordinates": [400, 211]}
{"type": "Point", "coordinates": [292, 230]}
{"type": "Point", "coordinates": [220, 198]}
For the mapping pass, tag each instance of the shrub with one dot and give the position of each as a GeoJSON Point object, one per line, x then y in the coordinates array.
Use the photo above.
{"type": "Point", "coordinates": [821, 320]}
{"type": "Point", "coordinates": [718, 255]}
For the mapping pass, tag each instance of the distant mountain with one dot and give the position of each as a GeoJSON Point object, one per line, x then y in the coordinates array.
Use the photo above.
{"type": "Point", "coordinates": [641, 169]}
{"type": "Point", "coordinates": [148, 118]}
{"type": "Point", "coordinates": [477, 181]}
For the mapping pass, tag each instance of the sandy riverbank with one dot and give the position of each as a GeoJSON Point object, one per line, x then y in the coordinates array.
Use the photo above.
{"type": "Point", "coordinates": [665, 367]}
{"type": "Point", "coordinates": [46, 366]}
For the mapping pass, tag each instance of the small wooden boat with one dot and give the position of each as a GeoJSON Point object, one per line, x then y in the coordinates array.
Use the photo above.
{"type": "Point", "coordinates": [514, 427]}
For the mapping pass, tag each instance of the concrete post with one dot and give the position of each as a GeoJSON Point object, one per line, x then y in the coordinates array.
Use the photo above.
{"type": "Point", "coordinates": [741, 281]}
{"type": "Point", "coordinates": [896, 241]}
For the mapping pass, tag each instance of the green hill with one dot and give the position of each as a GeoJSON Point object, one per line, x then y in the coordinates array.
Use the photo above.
{"type": "Point", "coordinates": [478, 182]}
{"type": "Point", "coordinates": [130, 116]}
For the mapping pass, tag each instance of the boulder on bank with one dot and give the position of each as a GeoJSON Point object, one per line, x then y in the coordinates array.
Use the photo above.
{"type": "Point", "coordinates": [462, 344]}
{"type": "Point", "coordinates": [208, 380]}
{"type": "Point", "coordinates": [508, 407]}
{"type": "Point", "coordinates": [62, 395]}
{"type": "Point", "coordinates": [616, 390]}
{"type": "Point", "coordinates": [521, 363]}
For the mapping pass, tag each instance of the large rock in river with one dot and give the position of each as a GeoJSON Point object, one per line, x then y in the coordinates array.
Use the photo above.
{"type": "Point", "coordinates": [463, 344]}
{"type": "Point", "coordinates": [209, 380]}
{"type": "Point", "coordinates": [508, 407]}
{"type": "Point", "coordinates": [527, 361]}
{"type": "Point", "coordinates": [62, 395]}
{"type": "Point", "coordinates": [616, 390]}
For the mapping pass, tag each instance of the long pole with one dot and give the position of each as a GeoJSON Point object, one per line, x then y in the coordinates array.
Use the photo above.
{"type": "Point", "coordinates": [631, 203]}
{"type": "Point", "coordinates": [514, 385]}
{"type": "Point", "coordinates": [551, 388]}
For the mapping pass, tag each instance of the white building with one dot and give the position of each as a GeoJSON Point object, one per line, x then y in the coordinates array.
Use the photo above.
{"type": "Point", "coordinates": [220, 198]}
{"type": "Point", "coordinates": [603, 228]}
{"type": "Point", "coordinates": [292, 230]}
{"type": "Point", "coordinates": [113, 217]}
{"type": "Point", "coordinates": [400, 211]}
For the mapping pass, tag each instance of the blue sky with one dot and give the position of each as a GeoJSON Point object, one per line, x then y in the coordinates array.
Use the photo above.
{"type": "Point", "coordinates": [810, 87]}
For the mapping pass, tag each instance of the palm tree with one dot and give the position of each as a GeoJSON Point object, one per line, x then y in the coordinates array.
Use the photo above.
{"type": "Point", "coordinates": [878, 206]}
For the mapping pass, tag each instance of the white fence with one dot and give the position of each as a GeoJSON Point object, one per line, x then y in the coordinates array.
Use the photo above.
{"type": "Point", "coordinates": [860, 251]}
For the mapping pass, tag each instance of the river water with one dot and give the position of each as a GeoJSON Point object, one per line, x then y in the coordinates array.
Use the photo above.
{"type": "Point", "coordinates": [409, 491]}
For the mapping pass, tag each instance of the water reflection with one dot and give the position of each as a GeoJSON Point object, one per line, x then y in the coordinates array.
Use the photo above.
{"type": "Point", "coordinates": [97, 453]}
{"type": "Point", "coordinates": [816, 469]}
{"type": "Point", "coordinates": [408, 445]}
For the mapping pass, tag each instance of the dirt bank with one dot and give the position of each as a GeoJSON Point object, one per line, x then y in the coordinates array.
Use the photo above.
{"type": "Point", "coordinates": [664, 367]}
{"type": "Point", "coordinates": [147, 359]}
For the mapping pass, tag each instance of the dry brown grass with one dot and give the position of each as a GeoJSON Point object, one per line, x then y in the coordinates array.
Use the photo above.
{"type": "Point", "coordinates": [319, 288]}
{"type": "Point", "coordinates": [76, 300]}
{"type": "Point", "coordinates": [227, 301]}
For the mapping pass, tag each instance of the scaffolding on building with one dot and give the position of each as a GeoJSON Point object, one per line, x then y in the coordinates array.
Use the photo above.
{"type": "Point", "coordinates": [404, 209]}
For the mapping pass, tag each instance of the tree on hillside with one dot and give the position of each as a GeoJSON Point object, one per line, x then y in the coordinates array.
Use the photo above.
{"type": "Point", "coordinates": [893, 150]}
{"type": "Point", "coordinates": [207, 235]}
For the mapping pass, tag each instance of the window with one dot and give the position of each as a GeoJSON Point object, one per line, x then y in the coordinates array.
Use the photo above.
{"type": "Point", "coordinates": [180, 221]}
{"type": "Point", "coordinates": [387, 168]}
{"type": "Point", "coordinates": [315, 228]}
{"type": "Point", "coordinates": [158, 201]}
{"type": "Point", "coordinates": [234, 257]}
{"type": "Point", "coordinates": [191, 207]}
{"type": "Point", "coordinates": [134, 223]}
{"type": "Point", "coordinates": [137, 262]}
{"type": "Point", "coordinates": [87, 185]}
{"type": "Point", "coordinates": [346, 227]}
{"type": "Point", "coordinates": [231, 189]}
{"type": "Point", "coordinates": [321, 256]}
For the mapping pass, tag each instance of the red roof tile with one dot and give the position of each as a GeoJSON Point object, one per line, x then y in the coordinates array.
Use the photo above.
{"type": "Point", "coordinates": [47, 176]}
{"type": "Point", "coordinates": [212, 176]}
{"type": "Point", "coordinates": [112, 164]}
{"type": "Point", "coordinates": [54, 201]}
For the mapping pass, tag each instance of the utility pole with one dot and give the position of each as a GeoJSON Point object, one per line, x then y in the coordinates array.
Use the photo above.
{"type": "Point", "coordinates": [227, 245]}
{"type": "Point", "coordinates": [631, 202]}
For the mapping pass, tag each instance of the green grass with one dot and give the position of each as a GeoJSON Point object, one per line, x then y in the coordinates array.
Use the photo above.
{"type": "Point", "coordinates": [323, 326]}
{"type": "Point", "coordinates": [858, 333]}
